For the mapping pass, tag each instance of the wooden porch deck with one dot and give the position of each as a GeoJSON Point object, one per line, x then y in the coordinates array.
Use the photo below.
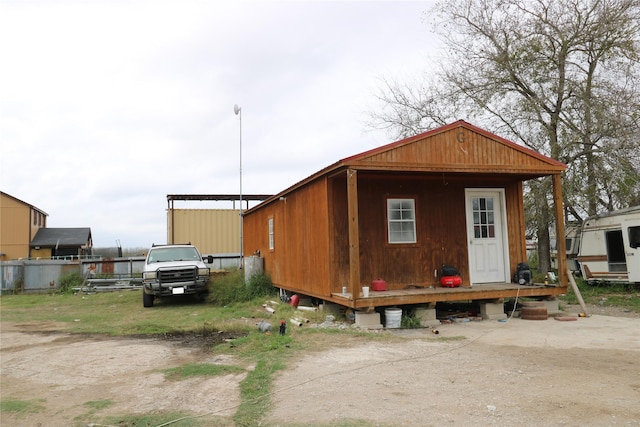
{"type": "Point", "coordinates": [417, 295]}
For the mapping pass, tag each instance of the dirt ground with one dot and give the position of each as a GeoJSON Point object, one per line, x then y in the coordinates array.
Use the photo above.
{"type": "Point", "coordinates": [513, 373]}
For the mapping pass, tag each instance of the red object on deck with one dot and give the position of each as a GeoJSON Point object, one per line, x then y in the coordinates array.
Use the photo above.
{"type": "Point", "coordinates": [451, 281]}
{"type": "Point", "coordinates": [378, 285]}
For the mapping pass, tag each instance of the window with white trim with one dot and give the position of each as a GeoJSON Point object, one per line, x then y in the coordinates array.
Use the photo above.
{"type": "Point", "coordinates": [401, 220]}
{"type": "Point", "coordinates": [271, 240]}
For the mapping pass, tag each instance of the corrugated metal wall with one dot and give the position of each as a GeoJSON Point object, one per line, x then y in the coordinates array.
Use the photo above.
{"type": "Point", "coordinates": [116, 266]}
{"type": "Point", "coordinates": [11, 275]}
{"type": "Point", "coordinates": [39, 274]}
{"type": "Point", "coordinates": [212, 231]}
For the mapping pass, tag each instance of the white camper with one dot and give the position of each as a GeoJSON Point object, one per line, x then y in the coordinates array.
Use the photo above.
{"type": "Point", "coordinates": [572, 243]}
{"type": "Point", "coordinates": [610, 247]}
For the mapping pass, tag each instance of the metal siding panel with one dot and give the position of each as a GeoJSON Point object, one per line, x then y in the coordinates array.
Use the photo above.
{"type": "Point", "coordinates": [10, 274]}
{"type": "Point", "coordinates": [38, 274]}
{"type": "Point", "coordinates": [212, 231]}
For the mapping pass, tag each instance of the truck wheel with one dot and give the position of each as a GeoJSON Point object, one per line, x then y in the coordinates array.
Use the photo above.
{"type": "Point", "coordinates": [147, 300]}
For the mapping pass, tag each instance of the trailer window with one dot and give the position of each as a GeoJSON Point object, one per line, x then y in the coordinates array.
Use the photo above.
{"type": "Point", "coordinates": [401, 219]}
{"type": "Point", "coordinates": [634, 237]}
{"type": "Point", "coordinates": [615, 251]}
{"type": "Point", "coordinates": [271, 235]}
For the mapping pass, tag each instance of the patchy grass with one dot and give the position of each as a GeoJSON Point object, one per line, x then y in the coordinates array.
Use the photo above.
{"type": "Point", "coordinates": [21, 406]}
{"type": "Point", "coordinates": [607, 294]}
{"type": "Point", "coordinates": [121, 313]}
{"type": "Point", "coordinates": [97, 405]}
{"type": "Point", "coordinates": [200, 370]}
{"type": "Point", "coordinates": [174, 419]}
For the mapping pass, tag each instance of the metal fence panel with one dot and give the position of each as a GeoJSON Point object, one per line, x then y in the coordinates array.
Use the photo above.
{"type": "Point", "coordinates": [118, 267]}
{"type": "Point", "coordinates": [40, 275]}
{"type": "Point", "coordinates": [11, 275]}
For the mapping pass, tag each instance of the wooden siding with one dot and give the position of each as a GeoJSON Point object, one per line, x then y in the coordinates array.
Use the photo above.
{"type": "Point", "coordinates": [339, 232]}
{"type": "Point", "coordinates": [457, 149]}
{"type": "Point", "coordinates": [516, 225]}
{"type": "Point", "coordinates": [301, 240]}
{"type": "Point", "coordinates": [440, 228]}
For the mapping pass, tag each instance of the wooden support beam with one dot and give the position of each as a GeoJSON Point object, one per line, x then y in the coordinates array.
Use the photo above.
{"type": "Point", "coordinates": [354, 236]}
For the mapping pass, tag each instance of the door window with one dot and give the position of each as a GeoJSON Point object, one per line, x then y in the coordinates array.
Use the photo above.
{"type": "Point", "coordinates": [484, 226]}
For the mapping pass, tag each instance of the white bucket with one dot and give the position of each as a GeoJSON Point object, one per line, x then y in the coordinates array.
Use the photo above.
{"type": "Point", "coordinates": [393, 317]}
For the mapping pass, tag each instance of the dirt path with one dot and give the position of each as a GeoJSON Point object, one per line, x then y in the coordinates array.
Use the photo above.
{"type": "Point", "coordinates": [517, 373]}
{"type": "Point", "coordinates": [65, 373]}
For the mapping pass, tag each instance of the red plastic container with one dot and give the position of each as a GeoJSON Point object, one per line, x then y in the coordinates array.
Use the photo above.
{"type": "Point", "coordinates": [295, 299]}
{"type": "Point", "coordinates": [451, 281]}
{"type": "Point", "coordinates": [378, 285]}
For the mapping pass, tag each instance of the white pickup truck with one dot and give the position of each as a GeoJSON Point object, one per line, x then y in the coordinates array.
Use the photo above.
{"type": "Point", "coordinates": [171, 270]}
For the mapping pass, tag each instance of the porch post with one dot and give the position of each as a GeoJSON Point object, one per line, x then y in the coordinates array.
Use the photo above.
{"type": "Point", "coordinates": [354, 238]}
{"type": "Point", "coordinates": [561, 243]}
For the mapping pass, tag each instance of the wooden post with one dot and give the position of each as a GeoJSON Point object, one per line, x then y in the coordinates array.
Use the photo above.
{"type": "Point", "coordinates": [354, 236]}
{"type": "Point", "coordinates": [561, 244]}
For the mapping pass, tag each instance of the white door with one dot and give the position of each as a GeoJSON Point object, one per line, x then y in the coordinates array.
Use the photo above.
{"type": "Point", "coordinates": [486, 231]}
{"type": "Point", "coordinates": [631, 239]}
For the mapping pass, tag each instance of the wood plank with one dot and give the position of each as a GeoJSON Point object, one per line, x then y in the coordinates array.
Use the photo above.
{"type": "Point", "coordinates": [432, 295]}
{"type": "Point", "coordinates": [355, 286]}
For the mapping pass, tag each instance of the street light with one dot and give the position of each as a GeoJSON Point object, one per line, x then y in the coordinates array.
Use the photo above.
{"type": "Point", "coordinates": [238, 111]}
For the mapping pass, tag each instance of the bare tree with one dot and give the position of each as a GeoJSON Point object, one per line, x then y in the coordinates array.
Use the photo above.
{"type": "Point", "coordinates": [559, 76]}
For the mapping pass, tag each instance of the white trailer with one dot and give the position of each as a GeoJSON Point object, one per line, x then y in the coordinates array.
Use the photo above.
{"type": "Point", "coordinates": [610, 247]}
{"type": "Point", "coordinates": [572, 243]}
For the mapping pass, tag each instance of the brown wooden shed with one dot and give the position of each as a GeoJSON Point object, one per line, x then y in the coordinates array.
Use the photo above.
{"type": "Point", "coordinates": [452, 195]}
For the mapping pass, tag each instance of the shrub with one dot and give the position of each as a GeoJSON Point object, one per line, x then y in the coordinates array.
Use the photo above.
{"type": "Point", "coordinates": [232, 288]}
{"type": "Point", "coordinates": [68, 281]}
{"type": "Point", "coordinates": [410, 320]}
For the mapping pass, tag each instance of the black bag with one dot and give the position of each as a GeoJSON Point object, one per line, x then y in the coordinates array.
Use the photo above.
{"type": "Point", "coordinates": [448, 270]}
{"type": "Point", "coordinates": [522, 276]}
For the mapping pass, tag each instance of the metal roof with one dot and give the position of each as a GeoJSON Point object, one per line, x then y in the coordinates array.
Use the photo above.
{"type": "Point", "coordinates": [61, 237]}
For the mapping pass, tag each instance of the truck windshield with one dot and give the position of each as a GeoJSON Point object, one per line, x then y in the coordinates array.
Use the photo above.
{"type": "Point", "coordinates": [173, 254]}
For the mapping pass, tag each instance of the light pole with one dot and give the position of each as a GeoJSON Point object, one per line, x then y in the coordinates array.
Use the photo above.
{"type": "Point", "coordinates": [238, 111]}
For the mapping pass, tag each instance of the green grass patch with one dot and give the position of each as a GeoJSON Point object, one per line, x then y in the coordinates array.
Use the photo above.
{"type": "Point", "coordinates": [200, 370]}
{"type": "Point", "coordinates": [606, 294]}
{"type": "Point", "coordinates": [255, 391]}
{"type": "Point", "coordinates": [116, 313]}
{"type": "Point", "coordinates": [18, 406]}
{"type": "Point", "coordinates": [70, 280]}
{"type": "Point", "coordinates": [231, 288]}
{"type": "Point", "coordinates": [174, 419]}
{"type": "Point", "coordinates": [97, 405]}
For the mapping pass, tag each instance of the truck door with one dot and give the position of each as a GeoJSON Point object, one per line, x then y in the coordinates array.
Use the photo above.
{"type": "Point", "coordinates": [631, 239]}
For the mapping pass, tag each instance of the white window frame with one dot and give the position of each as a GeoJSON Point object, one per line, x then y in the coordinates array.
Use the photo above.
{"type": "Point", "coordinates": [405, 221]}
{"type": "Point", "coordinates": [270, 233]}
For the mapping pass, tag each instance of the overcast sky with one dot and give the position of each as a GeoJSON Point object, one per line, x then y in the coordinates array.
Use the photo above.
{"type": "Point", "coordinates": [108, 106]}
